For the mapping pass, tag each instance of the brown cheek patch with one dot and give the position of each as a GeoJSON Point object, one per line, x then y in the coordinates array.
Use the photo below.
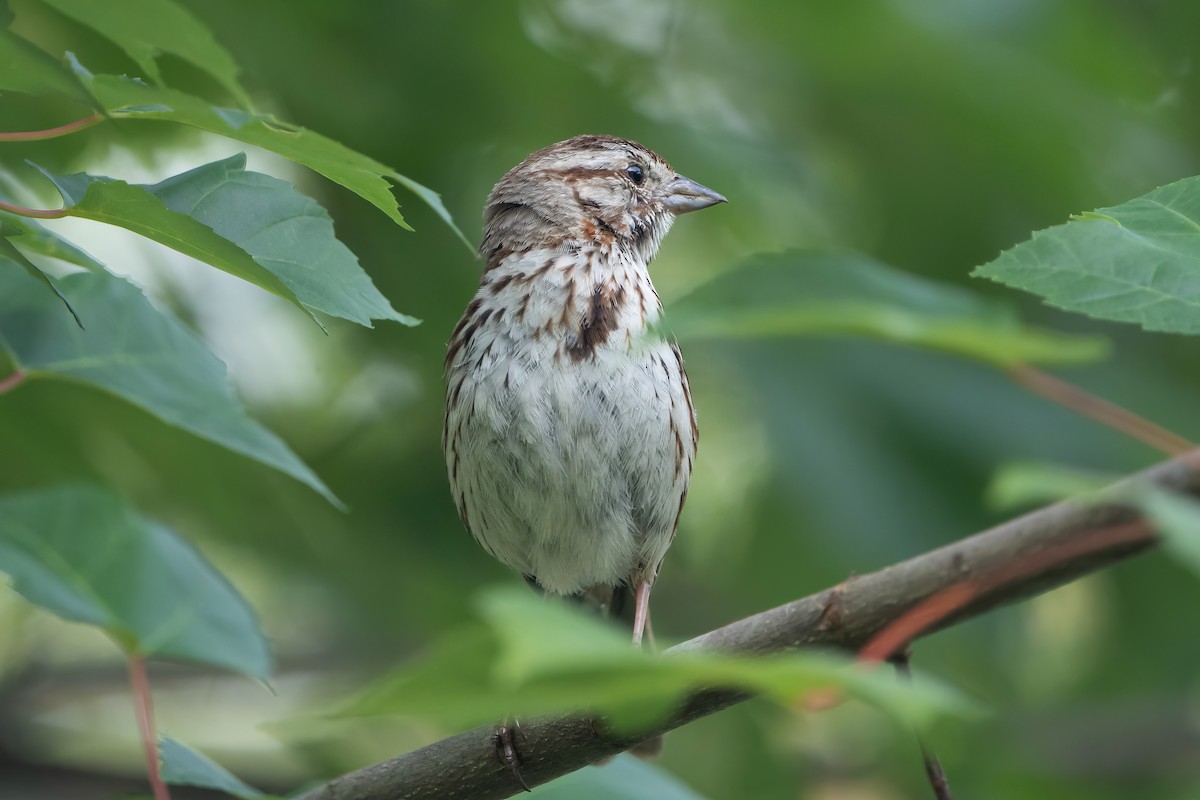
{"type": "Point", "coordinates": [598, 231]}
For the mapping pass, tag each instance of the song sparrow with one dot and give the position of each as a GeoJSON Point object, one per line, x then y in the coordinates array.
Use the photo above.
{"type": "Point", "coordinates": [569, 432]}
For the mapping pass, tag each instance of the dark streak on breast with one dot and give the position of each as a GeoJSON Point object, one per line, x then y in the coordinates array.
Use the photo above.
{"type": "Point", "coordinates": [679, 452]}
{"type": "Point", "coordinates": [569, 302]}
{"type": "Point", "coordinates": [678, 512]}
{"type": "Point", "coordinates": [462, 512]}
{"type": "Point", "coordinates": [599, 322]}
{"type": "Point", "coordinates": [498, 285]}
{"type": "Point", "coordinates": [465, 330]}
{"type": "Point", "coordinates": [496, 257]}
{"type": "Point", "coordinates": [530, 277]}
{"type": "Point", "coordinates": [451, 443]}
{"type": "Point", "coordinates": [487, 351]}
{"type": "Point", "coordinates": [687, 393]}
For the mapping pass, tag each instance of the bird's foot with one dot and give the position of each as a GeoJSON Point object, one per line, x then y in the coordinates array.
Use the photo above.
{"type": "Point", "coordinates": [504, 739]}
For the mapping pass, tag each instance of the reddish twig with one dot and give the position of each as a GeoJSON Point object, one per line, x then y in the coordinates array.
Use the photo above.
{"type": "Point", "coordinates": [1099, 409]}
{"type": "Point", "coordinates": [929, 612]}
{"type": "Point", "coordinates": [12, 381]}
{"type": "Point", "coordinates": [51, 133]}
{"type": "Point", "coordinates": [144, 704]}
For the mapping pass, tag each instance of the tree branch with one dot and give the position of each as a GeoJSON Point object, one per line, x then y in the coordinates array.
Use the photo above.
{"type": "Point", "coordinates": [845, 616]}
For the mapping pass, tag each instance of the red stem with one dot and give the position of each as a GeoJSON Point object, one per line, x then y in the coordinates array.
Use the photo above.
{"type": "Point", "coordinates": [144, 704]}
{"type": "Point", "coordinates": [51, 133]}
{"type": "Point", "coordinates": [1101, 410]}
{"type": "Point", "coordinates": [12, 381]}
{"type": "Point", "coordinates": [896, 636]}
{"type": "Point", "coordinates": [37, 213]}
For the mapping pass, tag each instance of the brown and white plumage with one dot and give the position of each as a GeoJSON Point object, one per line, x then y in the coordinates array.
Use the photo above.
{"type": "Point", "coordinates": [570, 433]}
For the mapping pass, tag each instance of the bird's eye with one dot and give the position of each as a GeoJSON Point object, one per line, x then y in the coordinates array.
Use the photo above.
{"type": "Point", "coordinates": [635, 174]}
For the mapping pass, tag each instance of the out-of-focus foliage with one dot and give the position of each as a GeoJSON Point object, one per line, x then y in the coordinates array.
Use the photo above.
{"type": "Point", "coordinates": [146, 30]}
{"type": "Point", "coordinates": [1177, 519]}
{"type": "Point", "coordinates": [928, 135]}
{"type": "Point", "coordinates": [545, 659]}
{"type": "Point", "coordinates": [830, 293]}
{"type": "Point", "coordinates": [625, 778]}
{"type": "Point", "coordinates": [24, 67]}
{"type": "Point", "coordinates": [1029, 484]}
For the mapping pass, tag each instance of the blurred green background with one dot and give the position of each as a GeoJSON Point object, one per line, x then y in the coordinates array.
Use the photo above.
{"type": "Point", "coordinates": [929, 134]}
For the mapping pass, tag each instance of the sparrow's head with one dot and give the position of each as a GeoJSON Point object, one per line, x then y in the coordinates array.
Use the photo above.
{"type": "Point", "coordinates": [599, 189]}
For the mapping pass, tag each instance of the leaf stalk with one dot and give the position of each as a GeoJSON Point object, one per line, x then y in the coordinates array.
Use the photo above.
{"type": "Point", "coordinates": [51, 133]}
{"type": "Point", "coordinates": [144, 704]}
{"type": "Point", "coordinates": [12, 381]}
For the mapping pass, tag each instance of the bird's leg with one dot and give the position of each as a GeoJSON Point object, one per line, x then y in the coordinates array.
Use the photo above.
{"type": "Point", "coordinates": [641, 610]}
{"type": "Point", "coordinates": [504, 739]}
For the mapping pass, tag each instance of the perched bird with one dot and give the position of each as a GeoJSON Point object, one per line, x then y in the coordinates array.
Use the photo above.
{"type": "Point", "coordinates": [570, 433]}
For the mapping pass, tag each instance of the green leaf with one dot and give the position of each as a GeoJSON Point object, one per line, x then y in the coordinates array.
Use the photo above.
{"type": "Point", "coordinates": [135, 352]}
{"type": "Point", "coordinates": [81, 553]}
{"type": "Point", "coordinates": [138, 209]}
{"type": "Point", "coordinates": [1025, 484]}
{"type": "Point", "coordinates": [12, 254]}
{"type": "Point", "coordinates": [248, 224]}
{"type": "Point", "coordinates": [287, 233]}
{"type": "Point", "coordinates": [829, 293]}
{"type": "Point", "coordinates": [37, 239]}
{"type": "Point", "coordinates": [624, 778]}
{"type": "Point", "coordinates": [1136, 262]}
{"type": "Point", "coordinates": [26, 68]}
{"type": "Point", "coordinates": [129, 99]}
{"type": "Point", "coordinates": [531, 657]}
{"type": "Point", "coordinates": [183, 766]}
{"type": "Point", "coordinates": [144, 29]}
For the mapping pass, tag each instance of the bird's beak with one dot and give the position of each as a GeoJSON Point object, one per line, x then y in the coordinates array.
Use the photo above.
{"type": "Point", "coordinates": [682, 195]}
